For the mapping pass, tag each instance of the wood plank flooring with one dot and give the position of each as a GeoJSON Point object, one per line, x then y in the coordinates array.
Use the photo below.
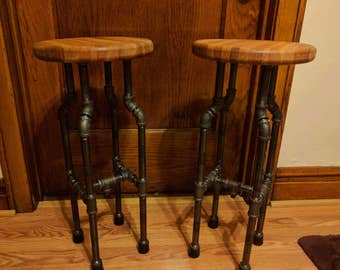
{"type": "Point", "coordinates": [42, 240]}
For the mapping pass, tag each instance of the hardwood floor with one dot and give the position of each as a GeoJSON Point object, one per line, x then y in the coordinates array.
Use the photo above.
{"type": "Point", "coordinates": [42, 240]}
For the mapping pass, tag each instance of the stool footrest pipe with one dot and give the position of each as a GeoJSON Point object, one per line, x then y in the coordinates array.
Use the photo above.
{"type": "Point", "coordinates": [232, 187]}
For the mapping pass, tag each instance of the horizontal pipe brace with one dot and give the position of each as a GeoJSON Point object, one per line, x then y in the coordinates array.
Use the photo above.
{"type": "Point", "coordinates": [123, 173]}
{"type": "Point", "coordinates": [105, 184]}
{"type": "Point", "coordinates": [233, 187]}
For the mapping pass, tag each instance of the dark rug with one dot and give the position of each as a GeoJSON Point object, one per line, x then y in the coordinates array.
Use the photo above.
{"type": "Point", "coordinates": [324, 251]}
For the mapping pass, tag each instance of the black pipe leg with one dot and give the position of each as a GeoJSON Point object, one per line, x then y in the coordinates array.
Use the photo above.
{"type": "Point", "coordinates": [69, 100]}
{"type": "Point", "coordinates": [118, 217]}
{"type": "Point", "coordinates": [143, 243]}
{"type": "Point", "coordinates": [85, 122]}
{"type": "Point", "coordinates": [228, 100]}
{"type": "Point", "coordinates": [263, 138]}
{"type": "Point", "coordinates": [213, 219]}
{"type": "Point", "coordinates": [276, 119]}
{"type": "Point", "coordinates": [194, 248]}
{"type": "Point", "coordinates": [113, 103]}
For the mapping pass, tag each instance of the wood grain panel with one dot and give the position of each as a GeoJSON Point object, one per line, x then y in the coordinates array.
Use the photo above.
{"type": "Point", "coordinates": [322, 189]}
{"type": "Point", "coordinates": [307, 183]}
{"type": "Point", "coordinates": [43, 92]}
{"type": "Point", "coordinates": [12, 157]}
{"type": "Point", "coordinates": [6, 192]}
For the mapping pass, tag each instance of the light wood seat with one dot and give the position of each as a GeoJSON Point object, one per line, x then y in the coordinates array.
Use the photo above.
{"type": "Point", "coordinates": [89, 49]}
{"type": "Point", "coordinates": [262, 52]}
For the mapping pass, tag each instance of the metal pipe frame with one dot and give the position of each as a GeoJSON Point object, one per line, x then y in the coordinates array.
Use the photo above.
{"type": "Point", "coordinates": [276, 113]}
{"type": "Point", "coordinates": [143, 243]}
{"type": "Point", "coordinates": [219, 105]}
{"type": "Point", "coordinates": [228, 100]}
{"type": "Point", "coordinates": [264, 133]}
{"type": "Point", "coordinates": [84, 128]}
{"type": "Point", "coordinates": [75, 187]}
{"type": "Point", "coordinates": [256, 195]}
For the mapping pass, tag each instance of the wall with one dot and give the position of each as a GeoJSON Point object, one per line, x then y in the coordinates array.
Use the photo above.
{"type": "Point", "coordinates": [312, 131]}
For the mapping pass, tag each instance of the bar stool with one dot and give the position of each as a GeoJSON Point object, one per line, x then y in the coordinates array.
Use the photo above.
{"type": "Point", "coordinates": [269, 55]}
{"type": "Point", "coordinates": [82, 51]}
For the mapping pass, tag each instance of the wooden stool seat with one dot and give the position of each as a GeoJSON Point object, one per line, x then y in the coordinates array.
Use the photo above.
{"type": "Point", "coordinates": [258, 52]}
{"type": "Point", "coordinates": [89, 49]}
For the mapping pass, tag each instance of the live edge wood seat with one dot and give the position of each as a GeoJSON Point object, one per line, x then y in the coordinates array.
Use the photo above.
{"type": "Point", "coordinates": [256, 52]}
{"type": "Point", "coordinates": [90, 49]}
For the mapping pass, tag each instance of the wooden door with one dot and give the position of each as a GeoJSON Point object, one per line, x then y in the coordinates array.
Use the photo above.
{"type": "Point", "coordinates": [172, 86]}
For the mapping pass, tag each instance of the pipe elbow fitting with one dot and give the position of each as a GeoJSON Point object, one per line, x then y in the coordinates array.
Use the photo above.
{"type": "Point", "coordinates": [276, 111]}
{"type": "Point", "coordinates": [135, 110]}
{"type": "Point", "coordinates": [140, 116]}
{"type": "Point", "coordinates": [207, 118]}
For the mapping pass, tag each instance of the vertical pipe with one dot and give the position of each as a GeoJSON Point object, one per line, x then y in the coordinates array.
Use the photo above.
{"type": "Point", "coordinates": [276, 119]}
{"type": "Point", "coordinates": [85, 122]}
{"type": "Point", "coordinates": [113, 103]}
{"type": "Point", "coordinates": [213, 220]}
{"type": "Point", "coordinates": [143, 244]}
{"type": "Point", "coordinates": [77, 233]}
{"type": "Point", "coordinates": [263, 137]}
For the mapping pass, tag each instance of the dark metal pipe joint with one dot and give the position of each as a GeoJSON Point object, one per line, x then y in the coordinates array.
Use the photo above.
{"type": "Point", "coordinates": [235, 188]}
{"type": "Point", "coordinates": [135, 110]}
{"type": "Point", "coordinates": [275, 111]}
{"type": "Point", "coordinates": [85, 120]}
{"type": "Point", "coordinates": [254, 208]}
{"type": "Point", "coordinates": [201, 188]}
{"type": "Point", "coordinates": [142, 187]}
{"type": "Point", "coordinates": [210, 114]}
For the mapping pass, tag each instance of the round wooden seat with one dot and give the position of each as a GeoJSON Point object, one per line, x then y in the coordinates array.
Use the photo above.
{"type": "Point", "coordinates": [262, 52]}
{"type": "Point", "coordinates": [89, 49]}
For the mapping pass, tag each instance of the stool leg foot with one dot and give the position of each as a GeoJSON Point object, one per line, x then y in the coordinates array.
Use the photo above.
{"type": "Point", "coordinates": [78, 236]}
{"type": "Point", "coordinates": [118, 219]}
{"type": "Point", "coordinates": [97, 265]}
{"type": "Point", "coordinates": [244, 266]}
{"type": "Point", "coordinates": [194, 250]}
{"type": "Point", "coordinates": [213, 222]}
{"type": "Point", "coordinates": [143, 246]}
{"type": "Point", "coordinates": [213, 219]}
{"type": "Point", "coordinates": [258, 239]}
